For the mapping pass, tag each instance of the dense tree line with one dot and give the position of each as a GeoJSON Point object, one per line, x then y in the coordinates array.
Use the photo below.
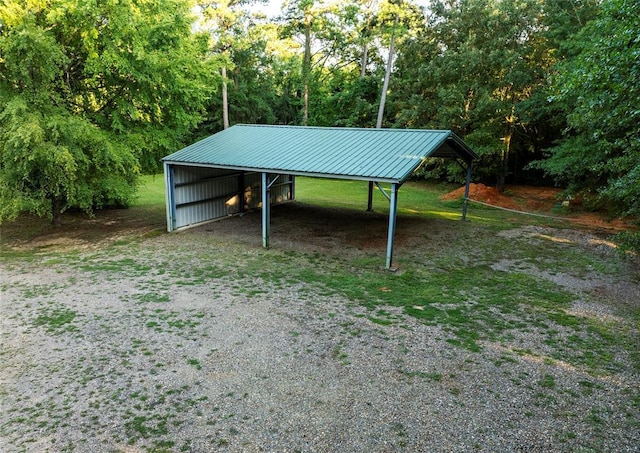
{"type": "Point", "coordinates": [92, 93]}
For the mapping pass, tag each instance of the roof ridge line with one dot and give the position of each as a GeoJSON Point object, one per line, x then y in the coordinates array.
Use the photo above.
{"type": "Point", "coordinates": [372, 129]}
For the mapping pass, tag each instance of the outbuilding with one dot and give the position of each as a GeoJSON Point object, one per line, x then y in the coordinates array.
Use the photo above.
{"type": "Point", "coordinates": [254, 166]}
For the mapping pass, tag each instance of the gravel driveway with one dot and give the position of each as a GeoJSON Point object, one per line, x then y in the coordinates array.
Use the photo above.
{"type": "Point", "coordinates": [156, 345]}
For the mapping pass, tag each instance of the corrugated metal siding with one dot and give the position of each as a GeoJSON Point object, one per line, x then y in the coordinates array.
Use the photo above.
{"type": "Point", "coordinates": [281, 191]}
{"type": "Point", "coordinates": [198, 197]}
{"type": "Point", "coordinates": [252, 193]}
{"type": "Point", "coordinates": [201, 194]}
{"type": "Point", "coordinates": [369, 154]}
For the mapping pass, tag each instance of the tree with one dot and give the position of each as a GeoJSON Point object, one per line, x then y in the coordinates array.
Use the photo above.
{"type": "Point", "coordinates": [254, 78]}
{"type": "Point", "coordinates": [224, 21]}
{"type": "Point", "coordinates": [348, 66]}
{"type": "Point", "coordinates": [387, 74]}
{"type": "Point", "coordinates": [599, 90]}
{"type": "Point", "coordinates": [51, 160]}
{"type": "Point", "coordinates": [478, 68]}
{"type": "Point", "coordinates": [306, 17]}
{"type": "Point", "coordinates": [345, 65]}
{"type": "Point", "coordinates": [90, 95]}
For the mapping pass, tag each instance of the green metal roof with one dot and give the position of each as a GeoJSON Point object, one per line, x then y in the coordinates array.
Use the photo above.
{"type": "Point", "coordinates": [386, 155]}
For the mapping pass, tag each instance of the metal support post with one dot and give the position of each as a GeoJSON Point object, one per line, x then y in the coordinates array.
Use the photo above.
{"type": "Point", "coordinates": [266, 210]}
{"type": "Point", "coordinates": [382, 191]}
{"type": "Point", "coordinates": [370, 200]}
{"type": "Point", "coordinates": [466, 191]}
{"type": "Point", "coordinates": [170, 196]}
{"type": "Point", "coordinates": [241, 189]}
{"type": "Point", "coordinates": [392, 223]}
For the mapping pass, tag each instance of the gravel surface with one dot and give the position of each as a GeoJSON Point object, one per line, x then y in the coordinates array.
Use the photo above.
{"type": "Point", "coordinates": [128, 349]}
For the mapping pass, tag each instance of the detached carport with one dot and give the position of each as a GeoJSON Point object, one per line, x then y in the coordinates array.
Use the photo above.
{"type": "Point", "coordinates": [250, 166]}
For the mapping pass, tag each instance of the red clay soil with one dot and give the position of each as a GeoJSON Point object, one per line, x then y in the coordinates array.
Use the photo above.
{"type": "Point", "coordinates": [539, 200]}
{"type": "Point", "coordinates": [524, 198]}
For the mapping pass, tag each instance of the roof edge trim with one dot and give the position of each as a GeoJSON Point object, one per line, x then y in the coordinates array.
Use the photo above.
{"type": "Point", "coordinates": [286, 172]}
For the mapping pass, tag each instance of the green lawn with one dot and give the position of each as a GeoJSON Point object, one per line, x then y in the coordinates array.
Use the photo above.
{"type": "Point", "coordinates": [415, 198]}
{"type": "Point", "coordinates": [150, 192]}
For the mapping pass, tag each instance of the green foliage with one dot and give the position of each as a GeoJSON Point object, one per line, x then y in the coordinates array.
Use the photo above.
{"type": "Point", "coordinates": [480, 69]}
{"type": "Point", "coordinates": [52, 160]}
{"type": "Point", "coordinates": [252, 72]}
{"type": "Point", "coordinates": [346, 100]}
{"type": "Point", "coordinates": [599, 90]}
{"type": "Point", "coordinates": [90, 95]}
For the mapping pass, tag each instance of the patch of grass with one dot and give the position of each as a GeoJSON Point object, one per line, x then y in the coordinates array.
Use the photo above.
{"type": "Point", "coordinates": [382, 322]}
{"type": "Point", "coordinates": [415, 198]}
{"type": "Point", "coordinates": [57, 321]}
{"type": "Point", "coordinates": [547, 381]}
{"type": "Point", "coordinates": [469, 299]}
{"type": "Point", "coordinates": [162, 446]}
{"type": "Point", "coordinates": [152, 297]}
{"type": "Point", "coordinates": [487, 310]}
{"type": "Point", "coordinates": [163, 320]}
{"type": "Point", "coordinates": [142, 426]}
{"type": "Point", "coordinates": [429, 376]}
{"type": "Point", "coordinates": [195, 363]}
{"type": "Point", "coordinates": [401, 432]}
{"type": "Point", "coordinates": [151, 192]}
{"type": "Point", "coordinates": [339, 354]}
{"type": "Point", "coordinates": [504, 359]}
{"type": "Point", "coordinates": [199, 274]}
{"type": "Point", "coordinates": [128, 266]}
{"type": "Point", "coordinates": [34, 291]}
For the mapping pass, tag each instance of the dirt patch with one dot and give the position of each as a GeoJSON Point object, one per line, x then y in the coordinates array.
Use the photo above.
{"type": "Point", "coordinates": [541, 201]}
{"type": "Point", "coordinates": [491, 195]}
{"type": "Point", "coordinates": [78, 231]}
{"type": "Point", "coordinates": [329, 230]}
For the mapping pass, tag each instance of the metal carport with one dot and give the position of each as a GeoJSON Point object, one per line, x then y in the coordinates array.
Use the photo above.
{"type": "Point", "coordinates": [222, 175]}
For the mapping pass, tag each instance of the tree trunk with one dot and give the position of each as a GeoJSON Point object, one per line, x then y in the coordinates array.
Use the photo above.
{"type": "Point", "coordinates": [225, 101]}
{"type": "Point", "coordinates": [504, 155]}
{"type": "Point", "coordinates": [387, 76]}
{"type": "Point", "coordinates": [306, 69]}
{"type": "Point", "coordinates": [56, 211]}
{"type": "Point", "coordinates": [363, 61]}
{"type": "Point", "coordinates": [501, 183]}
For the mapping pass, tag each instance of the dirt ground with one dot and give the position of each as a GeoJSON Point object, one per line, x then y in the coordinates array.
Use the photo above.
{"type": "Point", "coordinates": [77, 230]}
